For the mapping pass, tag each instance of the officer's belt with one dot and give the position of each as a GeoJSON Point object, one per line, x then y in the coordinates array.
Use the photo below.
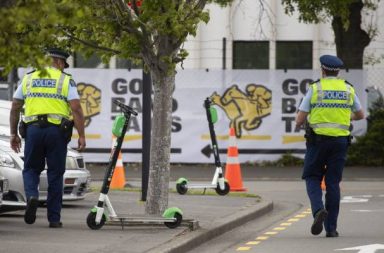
{"type": "Point", "coordinates": [36, 123]}
{"type": "Point", "coordinates": [30, 119]}
{"type": "Point", "coordinates": [329, 125]}
{"type": "Point", "coordinates": [320, 137]}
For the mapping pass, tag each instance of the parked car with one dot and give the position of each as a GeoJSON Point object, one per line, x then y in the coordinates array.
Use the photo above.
{"type": "Point", "coordinates": [3, 186]}
{"type": "Point", "coordinates": [76, 177]}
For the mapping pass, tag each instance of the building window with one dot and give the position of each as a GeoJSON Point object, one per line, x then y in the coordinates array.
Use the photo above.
{"type": "Point", "coordinates": [294, 54]}
{"type": "Point", "coordinates": [93, 61]}
{"type": "Point", "coordinates": [251, 54]}
{"type": "Point", "coordinates": [127, 64]}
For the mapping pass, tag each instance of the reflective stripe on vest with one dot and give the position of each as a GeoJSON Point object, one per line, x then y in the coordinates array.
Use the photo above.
{"type": "Point", "coordinates": [29, 79]}
{"type": "Point", "coordinates": [34, 117]}
{"type": "Point", "coordinates": [329, 125]}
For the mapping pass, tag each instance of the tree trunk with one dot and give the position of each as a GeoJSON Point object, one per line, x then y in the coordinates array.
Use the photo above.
{"type": "Point", "coordinates": [159, 170]}
{"type": "Point", "coordinates": [350, 43]}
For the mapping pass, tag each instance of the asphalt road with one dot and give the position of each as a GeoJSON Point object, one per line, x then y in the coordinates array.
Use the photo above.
{"type": "Point", "coordinates": [287, 228]}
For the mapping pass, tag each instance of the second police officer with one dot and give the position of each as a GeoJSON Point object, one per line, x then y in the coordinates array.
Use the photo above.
{"type": "Point", "coordinates": [328, 107]}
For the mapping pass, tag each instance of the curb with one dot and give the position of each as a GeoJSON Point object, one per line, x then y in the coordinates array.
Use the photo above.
{"type": "Point", "coordinates": [195, 238]}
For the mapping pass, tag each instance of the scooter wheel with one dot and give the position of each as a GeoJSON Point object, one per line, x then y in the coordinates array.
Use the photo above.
{"type": "Point", "coordinates": [182, 188]}
{"type": "Point", "coordinates": [91, 221]}
{"type": "Point", "coordinates": [175, 223]}
{"type": "Point", "coordinates": [224, 191]}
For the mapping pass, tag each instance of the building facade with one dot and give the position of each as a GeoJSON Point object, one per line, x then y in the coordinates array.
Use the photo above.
{"type": "Point", "coordinates": [258, 34]}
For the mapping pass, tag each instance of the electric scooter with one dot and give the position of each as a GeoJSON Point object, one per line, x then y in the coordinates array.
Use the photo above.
{"type": "Point", "coordinates": [218, 183]}
{"type": "Point", "coordinates": [103, 212]}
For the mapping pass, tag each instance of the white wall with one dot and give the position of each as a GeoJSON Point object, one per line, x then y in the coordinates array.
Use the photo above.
{"type": "Point", "coordinates": [249, 20]}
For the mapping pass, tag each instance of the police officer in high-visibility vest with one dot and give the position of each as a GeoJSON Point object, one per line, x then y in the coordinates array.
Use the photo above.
{"type": "Point", "coordinates": [328, 108]}
{"type": "Point", "coordinates": [50, 100]}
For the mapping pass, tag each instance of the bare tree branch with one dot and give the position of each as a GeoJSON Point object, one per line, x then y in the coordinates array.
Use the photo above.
{"type": "Point", "coordinates": [90, 44]}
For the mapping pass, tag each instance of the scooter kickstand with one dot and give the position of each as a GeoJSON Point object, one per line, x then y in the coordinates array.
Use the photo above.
{"type": "Point", "coordinates": [122, 223]}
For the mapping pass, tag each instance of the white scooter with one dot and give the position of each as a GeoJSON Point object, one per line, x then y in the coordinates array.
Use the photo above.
{"type": "Point", "coordinates": [218, 183]}
{"type": "Point", "coordinates": [103, 212]}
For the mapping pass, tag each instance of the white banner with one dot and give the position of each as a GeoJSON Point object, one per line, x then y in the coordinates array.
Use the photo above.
{"type": "Point", "coordinates": [260, 104]}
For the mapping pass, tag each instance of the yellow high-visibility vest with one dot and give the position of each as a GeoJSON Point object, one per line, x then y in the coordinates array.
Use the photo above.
{"type": "Point", "coordinates": [331, 104]}
{"type": "Point", "coordinates": [46, 95]}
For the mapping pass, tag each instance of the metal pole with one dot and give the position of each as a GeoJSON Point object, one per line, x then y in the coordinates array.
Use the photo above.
{"type": "Point", "coordinates": [224, 52]}
{"type": "Point", "coordinates": [12, 81]}
{"type": "Point", "coordinates": [146, 140]}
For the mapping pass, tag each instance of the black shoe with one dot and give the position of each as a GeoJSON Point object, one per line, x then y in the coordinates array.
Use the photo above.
{"type": "Point", "coordinates": [317, 225]}
{"type": "Point", "coordinates": [332, 234]}
{"type": "Point", "coordinates": [30, 212]}
{"type": "Point", "coordinates": [55, 225]}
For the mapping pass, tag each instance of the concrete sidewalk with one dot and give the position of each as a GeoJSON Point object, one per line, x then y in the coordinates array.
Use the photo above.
{"type": "Point", "coordinates": [215, 214]}
{"type": "Point", "coordinates": [211, 214]}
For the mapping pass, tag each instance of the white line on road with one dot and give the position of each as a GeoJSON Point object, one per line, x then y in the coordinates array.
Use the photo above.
{"type": "Point", "coordinates": [368, 211]}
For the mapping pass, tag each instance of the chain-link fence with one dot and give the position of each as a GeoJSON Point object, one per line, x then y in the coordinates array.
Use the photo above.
{"type": "Point", "coordinates": [375, 77]}
{"type": "Point", "coordinates": [375, 85]}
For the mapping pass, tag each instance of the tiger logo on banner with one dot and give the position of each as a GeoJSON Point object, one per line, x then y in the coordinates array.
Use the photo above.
{"type": "Point", "coordinates": [245, 110]}
{"type": "Point", "coordinates": [90, 100]}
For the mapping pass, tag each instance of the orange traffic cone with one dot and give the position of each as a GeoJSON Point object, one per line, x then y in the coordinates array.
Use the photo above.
{"type": "Point", "coordinates": [118, 177]}
{"type": "Point", "coordinates": [232, 168]}
{"type": "Point", "coordinates": [323, 187]}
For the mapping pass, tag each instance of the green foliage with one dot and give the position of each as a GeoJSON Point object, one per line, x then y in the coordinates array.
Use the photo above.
{"type": "Point", "coordinates": [369, 149]}
{"type": "Point", "coordinates": [317, 11]}
{"type": "Point", "coordinates": [153, 31]}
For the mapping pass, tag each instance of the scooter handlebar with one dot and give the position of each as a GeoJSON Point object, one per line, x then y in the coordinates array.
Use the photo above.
{"type": "Point", "coordinates": [207, 103]}
{"type": "Point", "coordinates": [124, 107]}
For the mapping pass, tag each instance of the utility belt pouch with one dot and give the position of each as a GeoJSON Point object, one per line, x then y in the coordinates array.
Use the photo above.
{"type": "Point", "coordinates": [66, 127]}
{"type": "Point", "coordinates": [22, 129]}
{"type": "Point", "coordinates": [350, 137]}
{"type": "Point", "coordinates": [42, 120]}
{"type": "Point", "coordinates": [309, 135]}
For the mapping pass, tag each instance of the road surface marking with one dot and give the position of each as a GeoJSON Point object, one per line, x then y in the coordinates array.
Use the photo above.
{"type": "Point", "coordinates": [243, 248]}
{"type": "Point", "coordinates": [267, 234]}
{"type": "Point", "coordinates": [370, 248]}
{"type": "Point", "coordinates": [253, 242]}
{"type": "Point", "coordinates": [368, 211]}
{"type": "Point", "coordinates": [356, 199]}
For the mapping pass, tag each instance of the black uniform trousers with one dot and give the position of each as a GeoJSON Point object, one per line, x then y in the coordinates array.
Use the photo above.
{"type": "Point", "coordinates": [325, 156]}
{"type": "Point", "coordinates": [45, 145]}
